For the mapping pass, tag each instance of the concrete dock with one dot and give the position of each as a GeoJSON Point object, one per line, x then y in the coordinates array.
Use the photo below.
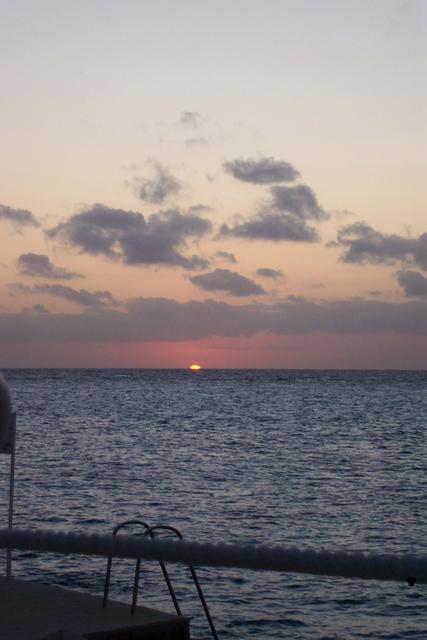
{"type": "Point", "coordinates": [32, 611]}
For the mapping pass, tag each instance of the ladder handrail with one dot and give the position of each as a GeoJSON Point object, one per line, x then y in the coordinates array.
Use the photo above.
{"type": "Point", "coordinates": [165, 527]}
{"type": "Point", "coordinates": [137, 571]}
{"type": "Point", "coordinates": [137, 567]}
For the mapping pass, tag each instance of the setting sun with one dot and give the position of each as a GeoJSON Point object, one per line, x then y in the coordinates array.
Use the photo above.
{"type": "Point", "coordinates": [195, 367]}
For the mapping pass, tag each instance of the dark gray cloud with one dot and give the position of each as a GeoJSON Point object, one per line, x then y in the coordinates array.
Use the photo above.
{"type": "Point", "coordinates": [284, 218]}
{"type": "Point", "coordinates": [191, 119]}
{"type": "Point", "coordinates": [131, 238]}
{"type": "Point", "coordinates": [272, 225]}
{"type": "Point", "coordinates": [300, 200]}
{"type": "Point", "coordinates": [148, 319]}
{"type": "Point", "coordinates": [157, 189]}
{"type": "Point", "coordinates": [365, 244]}
{"type": "Point", "coordinates": [228, 282]}
{"type": "Point", "coordinates": [225, 255]}
{"type": "Point", "coordinates": [82, 297]}
{"type": "Point", "coordinates": [265, 272]}
{"type": "Point", "coordinates": [35, 264]}
{"type": "Point", "coordinates": [261, 170]}
{"type": "Point", "coordinates": [18, 217]}
{"type": "Point", "coordinates": [413, 283]}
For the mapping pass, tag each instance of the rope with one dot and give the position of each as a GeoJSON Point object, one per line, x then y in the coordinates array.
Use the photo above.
{"type": "Point", "coordinates": [272, 558]}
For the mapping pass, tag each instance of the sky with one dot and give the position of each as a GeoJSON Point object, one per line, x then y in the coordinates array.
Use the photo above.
{"type": "Point", "coordinates": [235, 183]}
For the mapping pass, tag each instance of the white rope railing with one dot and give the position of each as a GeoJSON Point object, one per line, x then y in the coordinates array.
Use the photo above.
{"type": "Point", "coordinates": [346, 564]}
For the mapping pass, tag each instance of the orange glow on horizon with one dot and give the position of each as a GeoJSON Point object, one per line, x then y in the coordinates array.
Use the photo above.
{"type": "Point", "coordinates": [195, 367]}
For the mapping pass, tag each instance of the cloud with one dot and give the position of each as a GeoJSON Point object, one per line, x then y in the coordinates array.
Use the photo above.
{"type": "Point", "coordinates": [198, 208]}
{"type": "Point", "coordinates": [261, 171]}
{"type": "Point", "coordinates": [149, 319]}
{"type": "Point", "coordinates": [413, 283]}
{"type": "Point", "coordinates": [300, 200]}
{"type": "Point", "coordinates": [283, 218]}
{"type": "Point", "coordinates": [265, 272]}
{"type": "Point", "coordinates": [131, 238]}
{"type": "Point", "coordinates": [365, 244]}
{"type": "Point", "coordinates": [226, 256]}
{"type": "Point", "coordinates": [36, 308]}
{"type": "Point", "coordinates": [156, 190]}
{"type": "Point", "coordinates": [34, 264]}
{"type": "Point", "coordinates": [18, 217]}
{"type": "Point", "coordinates": [197, 142]}
{"type": "Point", "coordinates": [229, 282]}
{"type": "Point", "coordinates": [341, 213]}
{"type": "Point", "coordinates": [192, 119]}
{"type": "Point", "coordinates": [273, 226]}
{"type": "Point", "coordinates": [82, 297]}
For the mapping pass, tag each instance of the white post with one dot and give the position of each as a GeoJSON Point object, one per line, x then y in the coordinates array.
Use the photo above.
{"type": "Point", "coordinates": [11, 489]}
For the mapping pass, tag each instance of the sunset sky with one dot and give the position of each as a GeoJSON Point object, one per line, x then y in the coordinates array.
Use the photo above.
{"type": "Point", "coordinates": [236, 183]}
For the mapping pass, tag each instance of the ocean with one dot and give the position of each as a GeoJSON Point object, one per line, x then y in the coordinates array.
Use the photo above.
{"type": "Point", "coordinates": [324, 459]}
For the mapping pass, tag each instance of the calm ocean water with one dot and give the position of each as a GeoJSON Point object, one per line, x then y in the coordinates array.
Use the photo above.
{"type": "Point", "coordinates": [324, 459]}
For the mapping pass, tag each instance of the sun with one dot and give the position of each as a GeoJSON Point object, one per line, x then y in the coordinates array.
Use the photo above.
{"type": "Point", "coordinates": [195, 367]}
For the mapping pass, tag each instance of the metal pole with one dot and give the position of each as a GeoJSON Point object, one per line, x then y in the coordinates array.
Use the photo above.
{"type": "Point", "coordinates": [11, 490]}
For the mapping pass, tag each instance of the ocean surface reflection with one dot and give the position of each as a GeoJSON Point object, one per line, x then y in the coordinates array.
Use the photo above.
{"type": "Point", "coordinates": [316, 459]}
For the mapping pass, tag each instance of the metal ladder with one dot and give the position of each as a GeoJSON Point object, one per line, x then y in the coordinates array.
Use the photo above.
{"type": "Point", "coordinates": [150, 531]}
